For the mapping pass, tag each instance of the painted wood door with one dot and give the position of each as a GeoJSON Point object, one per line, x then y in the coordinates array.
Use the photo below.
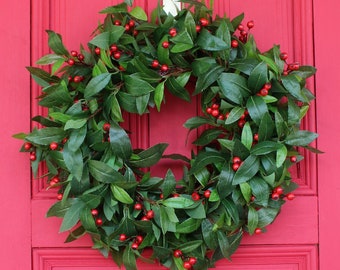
{"type": "Point", "coordinates": [305, 236]}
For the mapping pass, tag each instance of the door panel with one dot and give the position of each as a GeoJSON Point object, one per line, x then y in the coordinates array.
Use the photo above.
{"type": "Point", "coordinates": [290, 243]}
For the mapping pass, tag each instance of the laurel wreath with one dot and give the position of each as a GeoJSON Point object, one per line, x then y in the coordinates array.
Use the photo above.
{"type": "Point", "coordinates": [238, 176]}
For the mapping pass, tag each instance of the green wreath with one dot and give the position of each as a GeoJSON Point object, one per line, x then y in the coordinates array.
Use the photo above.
{"type": "Point", "coordinates": [236, 180]}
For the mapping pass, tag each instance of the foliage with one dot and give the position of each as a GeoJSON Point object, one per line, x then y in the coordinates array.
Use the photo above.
{"type": "Point", "coordinates": [252, 106]}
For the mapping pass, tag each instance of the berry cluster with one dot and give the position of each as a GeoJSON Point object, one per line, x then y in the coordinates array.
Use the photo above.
{"type": "Point", "coordinates": [243, 37]}
{"type": "Point", "coordinates": [289, 66]}
{"type": "Point", "coordinates": [188, 262]}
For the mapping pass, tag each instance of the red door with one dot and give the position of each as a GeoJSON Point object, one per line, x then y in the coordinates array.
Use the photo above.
{"type": "Point", "coordinates": [305, 235]}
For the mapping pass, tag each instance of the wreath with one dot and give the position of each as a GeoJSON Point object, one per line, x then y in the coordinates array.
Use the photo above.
{"type": "Point", "coordinates": [237, 177]}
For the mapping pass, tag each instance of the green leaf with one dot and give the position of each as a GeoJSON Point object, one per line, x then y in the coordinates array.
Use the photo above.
{"type": "Point", "coordinates": [74, 161]}
{"type": "Point", "coordinates": [281, 155]}
{"type": "Point", "coordinates": [205, 158]}
{"type": "Point", "coordinates": [96, 84]}
{"type": "Point", "coordinates": [209, 42]}
{"type": "Point", "coordinates": [225, 181]}
{"type": "Point", "coordinates": [159, 95]}
{"type": "Point", "coordinates": [291, 83]}
{"type": "Point", "coordinates": [176, 89]}
{"type": "Point", "coordinates": [266, 216]}
{"type": "Point", "coordinates": [223, 33]}
{"type": "Point", "coordinates": [169, 184]}
{"type": "Point", "coordinates": [87, 220]}
{"type": "Point", "coordinates": [106, 39]}
{"type": "Point", "coordinates": [263, 148]}
{"type": "Point", "coordinates": [266, 128]}
{"type": "Point", "coordinates": [234, 87]}
{"type": "Point", "coordinates": [76, 138]}
{"type": "Point", "coordinates": [197, 121]}
{"type": "Point", "coordinates": [190, 246]}
{"type": "Point", "coordinates": [129, 259]}
{"type": "Point", "coordinates": [178, 202]}
{"type": "Point", "coordinates": [188, 226]}
{"type": "Point", "coordinates": [246, 191]}
{"type": "Point", "coordinates": [105, 174]}
{"type": "Point", "coordinates": [149, 156]}
{"type": "Point", "coordinates": [247, 170]}
{"type": "Point", "coordinates": [45, 136]}
{"type": "Point", "coordinates": [234, 115]}
{"type": "Point", "coordinates": [139, 13]}
{"type": "Point", "coordinates": [270, 63]}
{"type": "Point", "coordinates": [209, 237]}
{"type": "Point", "coordinates": [293, 113]}
{"type": "Point", "coordinates": [247, 136]}
{"type": "Point", "coordinates": [56, 44]}
{"type": "Point", "coordinates": [208, 78]}
{"type": "Point", "coordinates": [256, 108]}
{"type": "Point", "coordinates": [75, 124]}
{"type": "Point", "coordinates": [301, 138]}
{"type": "Point", "coordinates": [121, 195]}
{"type": "Point", "coordinates": [258, 77]}
{"type": "Point", "coordinates": [253, 219]}
{"type": "Point", "coordinates": [72, 215]}
{"type": "Point", "coordinates": [75, 234]}
{"type": "Point", "coordinates": [198, 212]}
{"type": "Point", "coordinates": [42, 77]}
{"type": "Point", "coordinates": [182, 42]}
{"type": "Point", "coordinates": [49, 59]}
{"type": "Point", "coordinates": [223, 244]}
{"type": "Point", "coordinates": [231, 210]}
{"type": "Point", "coordinates": [207, 137]}
{"type": "Point", "coordinates": [279, 124]}
{"type": "Point", "coordinates": [260, 190]}
{"type": "Point", "coordinates": [137, 87]}
{"type": "Point", "coordinates": [120, 142]}
{"type": "Point", "coordinates": [59, 209]}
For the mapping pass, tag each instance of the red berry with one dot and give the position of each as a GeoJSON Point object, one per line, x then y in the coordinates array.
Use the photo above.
{"type": "Point", "coordinates": [164, 68]}
{"type": "Point", "coordinates": [293, 159]}
{"type": "Point", "coordinates": [134, 246]}
{"type": "Point", "coordinates": [135, 32]}
{"type": "Point", "coordinates": [74, 53]}
{"type": "Point", "coordinates": [241, 123]}
{"type": "Point", "coordinates": [258, 231]}
{"type": "Point", "coordinates": [33, 156]}
{"type": "Point", "coordinates": [138, 206]}
{"type": "Point", "coordinates": [250, 24]}
{"type": "Point", "coordinates": [198, 28]}
{"type": "Point", "coordinates": [70, 62]}
{"type": "Point", "coordinates": [186, 265]}
{"type": "Point", "coordinates": [64, 140]}
{"type": "Point", "coordinates": [220, 117]}
{"type": "Point", "coordinates": [81, 57]}
{"type": "Point", "coordinates": [144, 218]}
{"type": "Point", "coordinates": [243, 33]}
{"type": "Point", "coordinates": [27, 145]}
{"type": "Point", "coordinates": [155, 64]}
{"type": "Point", "coordinates": [175, 195]}
{"type": "Point", "coordinates": [279, 190]}
{"type": "Point", "coordinates": [240, 27]}
{"type": "Point", "coordinates": [204, 22]}
{"type": "Point", "coordinates": [122, 237]}
{"type": "Point", "coordinates": [256, 137]}
{"type": "Point", "coordinates": [117, 22]}
{"type": "Point", "coordinates": [215, 112]}
{"type": "Point", "coordinates": [290, 196]}
{"type": "Point", "coordinates": [165, 44]}
{"type": "Point", "coordinates": [99, 221]}
{"type": "Point", "coordinates": [227, 115]}
{"type": "Point", "coordinates": [127, 27]}
{"type": "Point", "coordinates": [60, 196]}
{"type": "Point", "coordinates": [267, 86]}
{"type": "Point", "coordinates": [173, 32]}
{"type": "Point", "coordinates": [94, 212]}
{"type": "Point", "coordinates": [195, 196]}
{"type": "Point", "coordinates": [97, 50]}
{"type": "Point", "coordinates": [132, 23]}
{"type": "Point", "coordinates": [53, 145]}
{"type": "Point", "coordinates": [234, 43]}
{"type": "Point", "coordinates": [113, 48]}
{"type": "Point", "coordinates": [55, 179]}
{"type": "Point", "coordinates": [77, 79]}
{"type": "Point", "coordinates": [284, 56]}
{"type": "Point", "coordinates": [161, 196]}
{"type": "Point", "coordinates": [106, 127]}
{"type": "Point", "coordinates": [117, 55]}
{"type": "Point", "coordinates": [207, 193]}
{"type": "Point", "coordinates": [263, 92]}
{"type": "Point", "coordinates": [275, 196]}
{"type": "Point", "coordinates": [237, 160]}
{"type": "Point", "coordinates": [192, 260]}
{"type": "Point", "coordinates": [177, 253]}
{"type": "Point", "coordinates": [150, 214]}
{"type": "Point", "coordinates": [215, 106]}
{"type": "Point", "coordinates": [139, 239]}
{"type": "Point", "coordinates": [235, 166]}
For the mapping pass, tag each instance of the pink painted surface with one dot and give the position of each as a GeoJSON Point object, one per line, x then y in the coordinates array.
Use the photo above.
{"type": "Point", "coordinates": [306, 233]}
